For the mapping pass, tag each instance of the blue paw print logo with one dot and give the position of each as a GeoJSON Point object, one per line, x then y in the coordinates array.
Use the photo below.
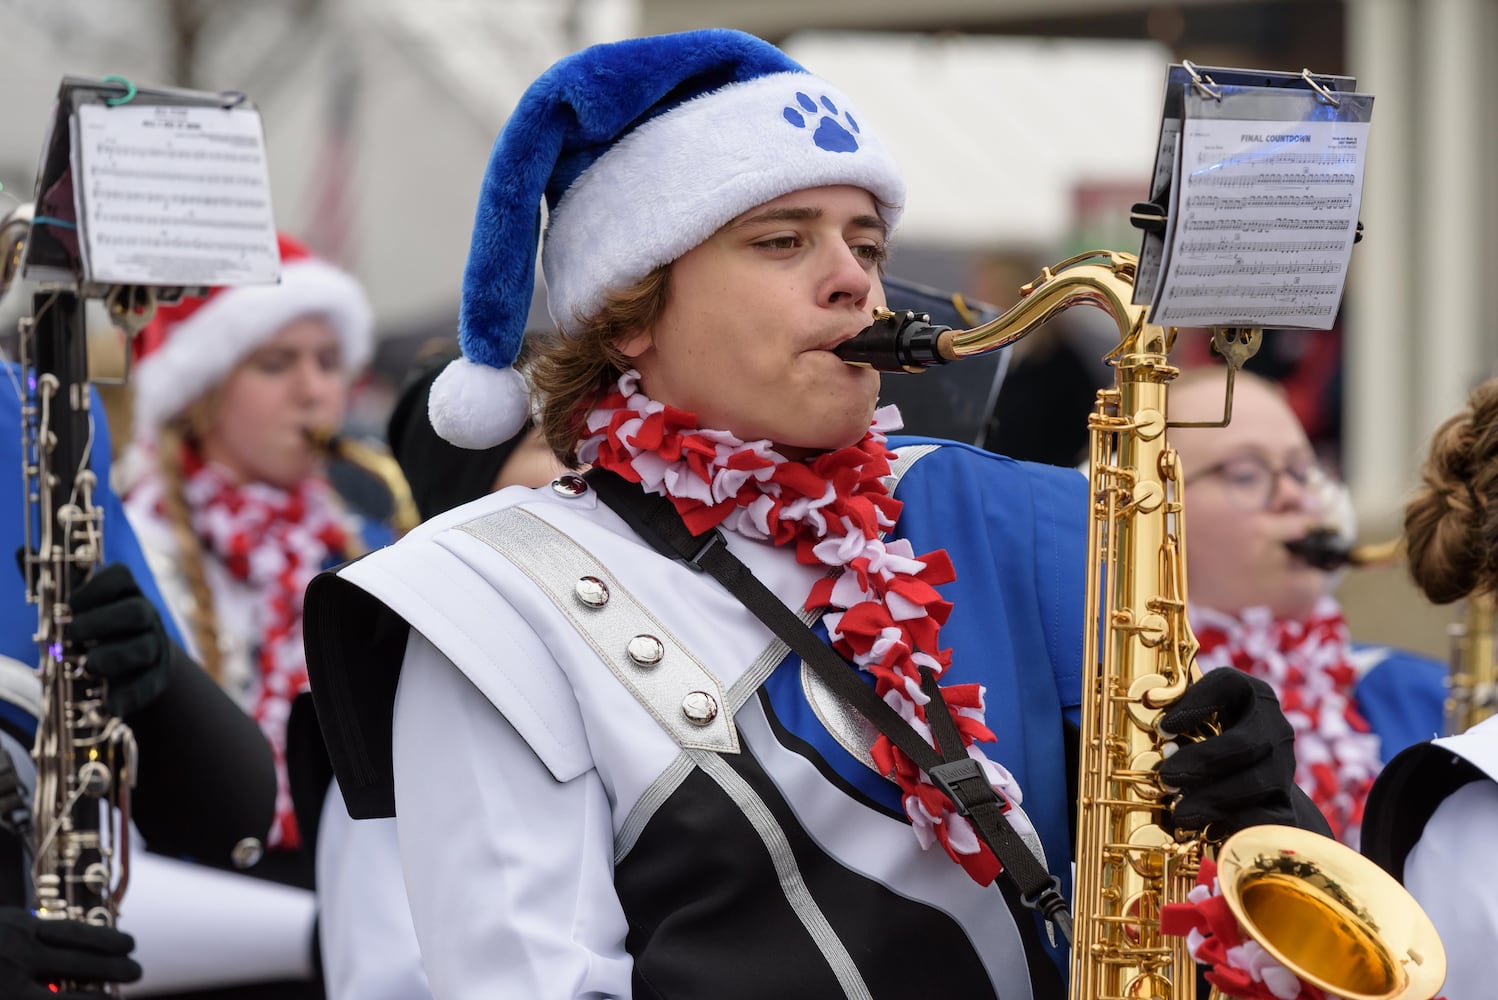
{"type": "Point", "coordinates": [831, 134]}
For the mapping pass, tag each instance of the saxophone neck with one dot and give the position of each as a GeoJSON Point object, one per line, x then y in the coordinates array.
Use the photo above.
{"type": "Point", "coordinates": [375, 462]}
{"type": "Point", "coordinates": [909, 342]}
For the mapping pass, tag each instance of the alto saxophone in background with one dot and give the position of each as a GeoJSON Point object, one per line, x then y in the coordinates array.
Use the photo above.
{"type": "Point", "coordinates": [1472, 691]}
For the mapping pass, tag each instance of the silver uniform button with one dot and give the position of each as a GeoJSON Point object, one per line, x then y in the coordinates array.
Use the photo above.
{"type": "Point", "coordinates": [569, 485]}
{"type": "Point", "coordinates": [247, 853]}
{"type": "Point", "coordinates": [700, 708]}
{"type": "Point", "coordinates": [592, 591]}
{"type": "Point", "coordinates": [646, 650]}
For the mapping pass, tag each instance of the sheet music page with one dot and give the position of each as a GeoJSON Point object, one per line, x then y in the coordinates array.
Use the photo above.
{"type": "Point", "coordinates": [174, 195]}
{"type": "Point", "coordinates": [1265, 214]}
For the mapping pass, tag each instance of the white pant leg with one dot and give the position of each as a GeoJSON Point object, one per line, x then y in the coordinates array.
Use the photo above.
{"type": "Point", "coordinates": [197, 927]}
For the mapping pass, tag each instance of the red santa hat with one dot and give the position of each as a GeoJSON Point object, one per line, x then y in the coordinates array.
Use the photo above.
{"type": "Point", "coordinates": [192, 346]}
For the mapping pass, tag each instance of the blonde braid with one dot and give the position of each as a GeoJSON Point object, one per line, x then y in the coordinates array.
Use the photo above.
{"type": "Point", "coordinates": [204, 621]}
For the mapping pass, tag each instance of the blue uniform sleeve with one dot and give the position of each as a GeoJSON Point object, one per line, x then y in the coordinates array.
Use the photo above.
{"type": "Point", "coordinates": [17, 618]}
{"type": "Point", "coordinates": [1403, 697]}
{"type": "Point", "coordinates": [1061, 575]}
{"type": "Point", "coordinates": [1017, 536]}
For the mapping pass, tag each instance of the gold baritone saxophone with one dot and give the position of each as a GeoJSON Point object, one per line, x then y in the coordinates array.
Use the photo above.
{"type": "Point", "coordinates": [1317, 906]}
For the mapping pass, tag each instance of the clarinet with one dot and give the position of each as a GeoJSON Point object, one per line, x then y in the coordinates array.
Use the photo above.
{"type": "Point", "coordinates": [85, 757]}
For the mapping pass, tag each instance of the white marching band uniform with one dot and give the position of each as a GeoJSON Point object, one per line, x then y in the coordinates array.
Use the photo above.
{"type": "Point", "coordinates": [1430, 822]}
{"type": "Point", "coordinates": [611, 780]}
{"type": "Point", "coordinates": [368, 945]}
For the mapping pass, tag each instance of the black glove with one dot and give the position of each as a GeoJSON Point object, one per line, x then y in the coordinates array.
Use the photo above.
{"type": "Point", "coordinates": [35, 952]}
{"type": "Point", "coordinates": [1242, 776]}
{"type": "Point", "coordinates": [122, 637]}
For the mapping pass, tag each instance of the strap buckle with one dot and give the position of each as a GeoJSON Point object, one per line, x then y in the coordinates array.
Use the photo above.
{"type": "Point", "coordinates": [948, 775]}
{"type": "Point", "coordinates": [712, 540]}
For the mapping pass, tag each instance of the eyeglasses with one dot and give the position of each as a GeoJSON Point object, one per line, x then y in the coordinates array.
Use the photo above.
{"type": "Point", "coordinates": [1250, 482]}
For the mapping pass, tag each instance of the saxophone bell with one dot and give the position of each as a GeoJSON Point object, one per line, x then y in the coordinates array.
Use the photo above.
{"type": "Point", "coordinates": [1333, 917]}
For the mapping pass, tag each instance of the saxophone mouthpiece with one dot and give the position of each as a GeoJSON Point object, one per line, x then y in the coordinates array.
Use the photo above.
{"type": "Point", "coordinates": [896, 342]}
{"type": "Point", "coordinates": [1321, 548]}
{"type": "Point", "coordinates": [323, 439]}
{"type": "Point", "coordinates": [1326, 550]}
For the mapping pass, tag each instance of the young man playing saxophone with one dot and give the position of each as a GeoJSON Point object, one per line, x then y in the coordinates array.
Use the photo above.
{"type": "Point", "coordinates": [645, 796]}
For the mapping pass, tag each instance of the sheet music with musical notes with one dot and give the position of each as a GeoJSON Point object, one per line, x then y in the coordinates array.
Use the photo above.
{"type": "Point", "coordinates": [1264, 217]}
{"type": "Point", "coordinates": [173, 195]}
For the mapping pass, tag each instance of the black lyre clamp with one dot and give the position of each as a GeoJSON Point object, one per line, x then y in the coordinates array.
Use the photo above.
{"type": "Point", "coordinates": [1151, 216]}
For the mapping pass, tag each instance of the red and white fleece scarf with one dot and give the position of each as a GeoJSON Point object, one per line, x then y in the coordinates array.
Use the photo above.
{"type": "Point", "coordinates": [1307, 662]}
{"type": "Point", "coordinates": [276, 541]}
{"type": "Point", "coordinates": [883, 611]}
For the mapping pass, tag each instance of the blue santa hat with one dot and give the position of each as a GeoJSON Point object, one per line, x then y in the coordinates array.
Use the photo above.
{"type": "Point", "coordinates": [642, 149]}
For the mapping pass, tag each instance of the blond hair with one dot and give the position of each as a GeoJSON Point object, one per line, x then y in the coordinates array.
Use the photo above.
{"type": "Point", "coordinates": [202, 620]}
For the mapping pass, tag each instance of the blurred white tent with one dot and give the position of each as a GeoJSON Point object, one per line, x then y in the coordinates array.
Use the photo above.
{"type": "Point", "coordinates": [995, 135]}
{"type": "Point", "coordinates": [379, 114]}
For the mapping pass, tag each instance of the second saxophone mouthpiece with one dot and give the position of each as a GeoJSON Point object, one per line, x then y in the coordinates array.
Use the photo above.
{"type": "Point", "coordinates": [1326, 550]}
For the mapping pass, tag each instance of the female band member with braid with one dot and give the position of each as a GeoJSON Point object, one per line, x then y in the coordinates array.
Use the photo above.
{"type": "Point", "coordinates": [228, 495]}
{"type": "Point", "coordinates": [1433, 810]}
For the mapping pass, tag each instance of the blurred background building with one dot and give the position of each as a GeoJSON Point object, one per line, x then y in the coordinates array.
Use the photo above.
{"type": "Point", "coordinates": [1026, 127]}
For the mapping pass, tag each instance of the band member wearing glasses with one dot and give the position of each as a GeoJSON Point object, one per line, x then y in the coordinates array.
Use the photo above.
{"type": "Point", "coordinates": [609, 778]}
{"type": "Point", "coordinates": [1250, 488]}
{"type": "Point", "coordinates": [1433, 809]}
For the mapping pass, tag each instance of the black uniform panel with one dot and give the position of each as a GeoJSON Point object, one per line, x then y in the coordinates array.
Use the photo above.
{"type": "Point", "coordinates": [714, 921]}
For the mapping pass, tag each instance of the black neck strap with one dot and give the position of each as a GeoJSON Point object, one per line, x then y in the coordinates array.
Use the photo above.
{"type": "Point", "coordinates": [656, 520]}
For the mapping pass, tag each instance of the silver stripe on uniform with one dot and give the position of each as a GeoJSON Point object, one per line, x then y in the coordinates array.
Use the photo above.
{"type": "Point", "coordinates": [794, 886]}
{"type": "Point", "coordinates": [661, 789]}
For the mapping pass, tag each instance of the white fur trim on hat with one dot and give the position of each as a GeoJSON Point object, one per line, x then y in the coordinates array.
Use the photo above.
{"type": "Point", "coordinates": [204, 348]}
{"type": "Point", "coordinates": [477, 406]}
{"type": "Point", "coordinates": [674, 181]}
